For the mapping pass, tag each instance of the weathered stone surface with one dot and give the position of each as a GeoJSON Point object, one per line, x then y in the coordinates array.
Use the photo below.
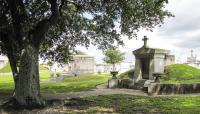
{"type": "Point", "coordinates": [131, 84]}
{"type": "Point", "coordinates": [127, 83]}
{"type": "Point", "coordinates": [149, 61]}
{"type": "Point", "coordinates": [148, 83]}
{"type": "Point", "coordinates": [166, 89]}
{"type": "Point", "coordinates": [113, 83]}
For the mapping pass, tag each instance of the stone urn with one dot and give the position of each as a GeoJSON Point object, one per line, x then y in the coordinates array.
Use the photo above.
{"type": "Point", "coordinates": [114, 74]}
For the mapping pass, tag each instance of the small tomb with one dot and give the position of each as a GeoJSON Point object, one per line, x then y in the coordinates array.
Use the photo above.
{"type": "Point", "coordinates": [150, 61]}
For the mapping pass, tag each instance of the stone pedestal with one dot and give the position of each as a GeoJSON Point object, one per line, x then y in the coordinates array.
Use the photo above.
{"type": "Point", "coordinates": [113, 83]}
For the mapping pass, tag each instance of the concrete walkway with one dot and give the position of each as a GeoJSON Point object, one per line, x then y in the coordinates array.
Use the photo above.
{"type": "Point", "coordinates": [100, 90]}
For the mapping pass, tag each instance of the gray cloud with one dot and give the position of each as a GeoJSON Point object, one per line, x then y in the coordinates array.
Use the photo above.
{"type": "Point", "coordinates": [190, 43]}
{"type": "Point", "coordinates": [179, 33]}
{"type": "Point", "coordinates": [187, 17]}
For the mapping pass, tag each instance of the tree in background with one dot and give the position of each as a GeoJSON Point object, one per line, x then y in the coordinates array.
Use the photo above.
{"type": "Point", "coordinates": [113, 56]}
{"type": "Point", "coordinates": [51, 29]}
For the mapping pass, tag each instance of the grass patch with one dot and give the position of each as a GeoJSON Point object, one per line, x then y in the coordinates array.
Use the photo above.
{"type": "Point", "coordinates": [7, 84]}
{"type": "Point", "coordinates": [7, 68]}
{"type": "Point", "coordinates": [80, 83]}
{"type": "Point", "coordinates": [128, 104]}
{"type": "Point", "coordinates": [42, 67]}
{"type": "Point", "coordinates": [126, 75]}
{"type": "Point", "coordinates": [181, 73]}
{"type": "Point", "coordinates": [177, 73]}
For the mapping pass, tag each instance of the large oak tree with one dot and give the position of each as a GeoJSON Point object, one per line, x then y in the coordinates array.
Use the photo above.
{"type": "Point", "coordinates": [51, 29]}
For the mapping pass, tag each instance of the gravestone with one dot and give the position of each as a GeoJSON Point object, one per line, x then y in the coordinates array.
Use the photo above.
{"type": "Point", "coordinates": [150, 61]}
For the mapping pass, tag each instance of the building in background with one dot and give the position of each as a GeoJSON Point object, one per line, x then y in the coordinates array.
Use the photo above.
{"type": "Point", "coordinates": [3, 61]}
{"type": "Point", "coordinates": [125, 66]}
{"type": "Point", "coordinates": [103, 68]}
{"type": "Point", "coordinates": [121, 67]}
{"type": "Point", "coordinates": [192, 60]}
{"type": "Point", "coordinates": [81, 64]}
{"type": "Point", "coordinates": [85, 64]}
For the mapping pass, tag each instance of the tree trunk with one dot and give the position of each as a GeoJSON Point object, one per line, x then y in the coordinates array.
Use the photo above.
{"type": "Point", "coordinates": [13, 66]}
{"type": "Point", "coordinates": [27, 91]}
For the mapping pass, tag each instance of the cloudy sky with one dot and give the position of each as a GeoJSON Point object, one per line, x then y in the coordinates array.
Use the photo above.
{"type": "Point", "coordinates": [179, 34]}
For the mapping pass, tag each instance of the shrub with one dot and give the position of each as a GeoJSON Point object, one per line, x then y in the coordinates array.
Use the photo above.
{"type": "Point", "coordinates": [126, 75]}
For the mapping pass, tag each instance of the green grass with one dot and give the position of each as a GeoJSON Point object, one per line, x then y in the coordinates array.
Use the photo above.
{"type": "Point", "coordinates": [7, 68]}
{"type": "Point", "coordinates": [7, 84]}
{"type": "Point", "coordinates": [42, 67]}
{"type": "Point", "coordinates": [80, 83]}
{"type": "Point", "coordinates": [128, 104]}
{"type": "Point", "coordinates": [181, 73]}
{"type": "Point", "coordinates": [126, 75]}
{"type": "Point", "coordinates": [177, 73]}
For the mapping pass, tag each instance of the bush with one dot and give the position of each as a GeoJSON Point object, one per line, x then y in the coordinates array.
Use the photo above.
{"type": "Point", "coordinates": [126, 75]}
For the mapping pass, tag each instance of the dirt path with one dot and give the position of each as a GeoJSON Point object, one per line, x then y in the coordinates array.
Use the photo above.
{"type": "Point", "coordinates": [100, 90]}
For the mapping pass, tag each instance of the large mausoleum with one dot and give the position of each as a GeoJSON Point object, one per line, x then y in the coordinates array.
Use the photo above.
{"type": "Point", "coordinates": [150, 60]}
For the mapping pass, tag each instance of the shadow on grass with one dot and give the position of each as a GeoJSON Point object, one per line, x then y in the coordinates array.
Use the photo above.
{"type": "Point", "coordinates": [55, 106]}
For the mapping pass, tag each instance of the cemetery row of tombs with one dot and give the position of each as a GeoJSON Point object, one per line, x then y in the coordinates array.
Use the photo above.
{"type": "Point", "coordinates": [149, 67]}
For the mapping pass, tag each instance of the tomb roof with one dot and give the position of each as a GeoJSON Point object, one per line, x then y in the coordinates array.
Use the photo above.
{"type": "Point", "coordinates": [147, 50]}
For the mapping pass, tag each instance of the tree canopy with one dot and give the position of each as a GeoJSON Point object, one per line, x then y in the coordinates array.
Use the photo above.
{"type": "Point", "coordinates": [113, 56]}
{"type": "Point", "coordinates": [75, 22]}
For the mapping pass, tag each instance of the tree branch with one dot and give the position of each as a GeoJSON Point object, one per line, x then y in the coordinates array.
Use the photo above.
{"type": "Point", "coordinates": [43, 26]}
{"type": "Point", "coordinates": [8, 45]}
{"type": "Point", "coordinates": [16, 20]}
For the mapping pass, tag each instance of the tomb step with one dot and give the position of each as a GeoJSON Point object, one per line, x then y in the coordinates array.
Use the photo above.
{"type": "Point", "coordinates": [140, 84]}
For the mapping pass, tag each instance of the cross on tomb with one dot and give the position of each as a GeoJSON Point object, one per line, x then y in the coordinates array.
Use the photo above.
{"type": "Point", "coordinates": [145, 41]}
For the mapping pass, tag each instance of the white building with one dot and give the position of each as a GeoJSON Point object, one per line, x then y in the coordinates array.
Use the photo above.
{"type": "Point", "coordinates": [103, 68]}
{"type": "Point", "coordinates": [192, 60]}
{"type": "Point", "coordinates": [124, 66]}
{"type": "Point", "coordinates": [81, 64]}
{"type": "Point", "coordinates": [3, 61]}
{"type": "Point", "coordinates": [121, 67]}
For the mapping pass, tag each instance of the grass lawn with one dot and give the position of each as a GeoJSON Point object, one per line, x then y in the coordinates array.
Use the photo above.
{"type": "Point", "coordinates": [181, 73]}
{"type": "Point", "coordinates": [7, 68]}
{"type": "Point", "coordinates": [128, 104]}
{"type": "Point", "coordinates": [80, 83]}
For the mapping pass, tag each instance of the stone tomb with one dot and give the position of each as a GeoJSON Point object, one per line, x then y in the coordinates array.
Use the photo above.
{"type": "Point", "coordinates": [150, 61]}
